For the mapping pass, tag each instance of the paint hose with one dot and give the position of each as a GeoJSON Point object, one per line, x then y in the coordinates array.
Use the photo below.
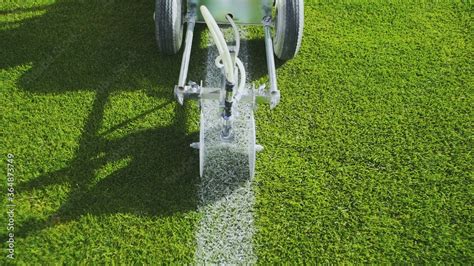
{"type": "Point", "coordinates": [220, 43]}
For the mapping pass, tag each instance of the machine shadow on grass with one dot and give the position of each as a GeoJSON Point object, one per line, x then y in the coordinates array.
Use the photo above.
{"type": "Point", "coordinates": [106, 47]}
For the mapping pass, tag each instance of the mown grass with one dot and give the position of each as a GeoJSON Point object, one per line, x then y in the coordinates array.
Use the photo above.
{"type": "Point", "coordinates": [367, 159]}
{"type": "Point", "coordinates": [104, 171]}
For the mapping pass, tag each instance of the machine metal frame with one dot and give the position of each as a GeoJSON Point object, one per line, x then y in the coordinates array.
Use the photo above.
{"type": "Point", "coordinates": [242, 12]}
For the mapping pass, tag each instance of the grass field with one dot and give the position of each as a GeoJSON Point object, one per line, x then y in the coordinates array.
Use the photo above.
{"type": "Point", "coordinates": [368, 158]}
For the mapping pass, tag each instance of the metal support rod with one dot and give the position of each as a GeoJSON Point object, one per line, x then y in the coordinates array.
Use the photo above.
{"type": "Point", "coordinates": [274, 92]}
{"type": "Point", "coordinates": [270, 59]}
{"type": "Point", "coordinates": [183, 74]}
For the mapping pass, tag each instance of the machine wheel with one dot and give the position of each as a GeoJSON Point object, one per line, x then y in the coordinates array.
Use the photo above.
{"type": "Point", "coordinates": [169, 20]}
{"type": "Point", "coordinates": [289, 28]}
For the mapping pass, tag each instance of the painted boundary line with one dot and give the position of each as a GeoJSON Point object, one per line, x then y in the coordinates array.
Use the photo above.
{"type": "Point", "coordinates": [225, 233]}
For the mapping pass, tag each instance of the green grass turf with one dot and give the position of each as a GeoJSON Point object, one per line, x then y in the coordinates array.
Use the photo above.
{"type": "Point", "coordinates": [367, 159]}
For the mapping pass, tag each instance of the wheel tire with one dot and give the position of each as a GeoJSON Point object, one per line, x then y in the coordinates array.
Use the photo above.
{"type": "Point", "coordinates": [169, 24]}
{"type": "Point", "coordinates": [288, 28]}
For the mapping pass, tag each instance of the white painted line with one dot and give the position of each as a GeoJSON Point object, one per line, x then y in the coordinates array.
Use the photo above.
{"type": "Point", "coordinates": [225, 233]}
